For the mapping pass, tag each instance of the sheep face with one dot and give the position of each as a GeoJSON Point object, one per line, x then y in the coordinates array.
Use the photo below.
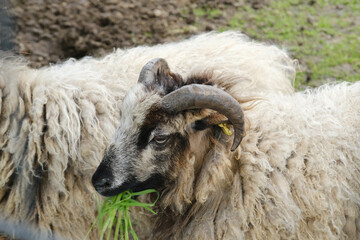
{"type": "Point", "coordinates": [163, 120]}
{"type": "Point", "coordinates": [140, 153]}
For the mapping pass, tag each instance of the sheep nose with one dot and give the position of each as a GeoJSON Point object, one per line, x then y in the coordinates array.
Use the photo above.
{"type": "Point", "coordinates": [100, 183]}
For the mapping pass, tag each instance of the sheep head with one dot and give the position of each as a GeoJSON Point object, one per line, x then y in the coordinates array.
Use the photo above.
{"type": "Point", "coordinates": [164, 119]}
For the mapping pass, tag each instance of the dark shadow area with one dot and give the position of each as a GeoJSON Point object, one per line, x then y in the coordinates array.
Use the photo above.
{"type": "Point", "coordinates": [6, 27]}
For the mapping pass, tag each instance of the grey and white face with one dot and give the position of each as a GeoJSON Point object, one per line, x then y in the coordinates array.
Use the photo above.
{"type": "Point", "coordinates": [144, 147]}
{"type": "Point", "coordinates": [163, 118]}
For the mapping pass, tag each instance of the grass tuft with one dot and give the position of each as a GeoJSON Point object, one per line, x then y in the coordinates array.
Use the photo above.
{"type": "Point", "coordinates": [115, 212]}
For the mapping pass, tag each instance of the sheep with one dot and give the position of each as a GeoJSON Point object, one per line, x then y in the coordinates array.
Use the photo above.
{"type": "Point", "coordinates": [56, 122]}
{"type": "Point", "coordinates": [295, 175]}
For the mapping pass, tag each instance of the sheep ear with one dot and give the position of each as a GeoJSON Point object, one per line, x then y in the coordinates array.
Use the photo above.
{"type": "Point", "coordinates": [156, 74]}
{"type": "Point", "coordinates": [214, 119]}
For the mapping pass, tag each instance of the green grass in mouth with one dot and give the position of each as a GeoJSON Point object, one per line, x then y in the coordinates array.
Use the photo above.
{"type": "Point", "coordinates": [115, 212]}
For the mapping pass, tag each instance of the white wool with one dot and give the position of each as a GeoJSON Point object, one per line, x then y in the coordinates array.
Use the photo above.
{"type": "Point", "coordinates": [306, 152]}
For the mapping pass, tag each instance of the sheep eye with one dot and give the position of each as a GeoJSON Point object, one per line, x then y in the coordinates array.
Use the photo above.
{"type": "Point", "coordinates": [160, 140]}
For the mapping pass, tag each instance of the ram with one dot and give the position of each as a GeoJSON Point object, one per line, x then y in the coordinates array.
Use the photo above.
{"type": "Point", "coordinates": [56, 122]}
{"type": "Point", "coordinates": [279, 166]}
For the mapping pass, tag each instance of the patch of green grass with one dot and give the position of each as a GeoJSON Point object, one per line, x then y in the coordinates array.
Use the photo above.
{"type": "Point", "coordinates": [149, 34]}
{"type": "Point", "coordinates": [317, 35]}
{"type": "Point", "coordinates": [324, 35]}
{"type": "Point", "coordinates": [207, 12]}
{"type": "Point", "coordinates": [115, 212]}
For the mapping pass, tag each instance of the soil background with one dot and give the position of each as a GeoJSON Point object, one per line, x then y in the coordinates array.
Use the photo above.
{"type": "Point", "coordinates": [323, 35]}
{"type": "Point", "coordinates": [49, 31]}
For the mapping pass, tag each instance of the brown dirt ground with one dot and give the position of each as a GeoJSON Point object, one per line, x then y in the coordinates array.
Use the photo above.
{"type": "Point", "coordinates": [49, 31]}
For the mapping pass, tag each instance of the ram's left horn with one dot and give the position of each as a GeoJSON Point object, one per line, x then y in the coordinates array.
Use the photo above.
{"type": "Point", "coordinates": [198, 96]}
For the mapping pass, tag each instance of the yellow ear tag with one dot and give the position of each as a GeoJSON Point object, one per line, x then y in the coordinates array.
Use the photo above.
{"type": "Point", "coordinates": [225, 129]}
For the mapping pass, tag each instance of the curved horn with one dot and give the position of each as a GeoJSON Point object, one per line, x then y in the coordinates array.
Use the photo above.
{"type": "Point", "coordinates": [196, 96]}
{"type": "Point", "coordinates": [151, 70]}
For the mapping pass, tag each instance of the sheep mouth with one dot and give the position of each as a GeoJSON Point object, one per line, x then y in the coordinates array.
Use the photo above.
{"type": "Point", "coordinates": [155, 181]}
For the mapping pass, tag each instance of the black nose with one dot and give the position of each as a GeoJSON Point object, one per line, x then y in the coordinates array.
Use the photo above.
{"type": "Point", "coordinates": [100, 182]}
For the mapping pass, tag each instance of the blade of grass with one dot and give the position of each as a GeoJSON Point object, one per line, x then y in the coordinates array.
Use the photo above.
{"type": "Point", "coordinates": [126, 224]}
{"type": "Point", "coordinates": [118, 224]}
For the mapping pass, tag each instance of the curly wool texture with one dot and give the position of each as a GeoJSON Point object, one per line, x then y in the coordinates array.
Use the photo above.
{"type": "Point", "coordinates": [56, 122]}
{"type": "Point", "coordinates": [300, 165]}
{"type": "Point", "coordinates": [296, 174]}
{"type": "Point", "coordinates": [304, 162]}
